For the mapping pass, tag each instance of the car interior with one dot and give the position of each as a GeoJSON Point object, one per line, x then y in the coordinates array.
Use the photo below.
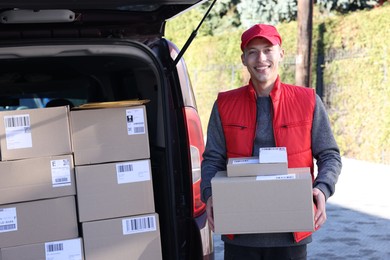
{"type": "Point", "coordinates": [38, 82]}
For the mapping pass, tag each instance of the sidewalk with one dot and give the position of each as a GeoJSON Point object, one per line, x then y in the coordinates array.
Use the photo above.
{"type": "Point", "coordinates": [358, 225]}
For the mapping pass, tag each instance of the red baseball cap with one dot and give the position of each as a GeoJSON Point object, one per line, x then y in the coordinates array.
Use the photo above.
{"type": "Point", "coordinates": [266, 31]}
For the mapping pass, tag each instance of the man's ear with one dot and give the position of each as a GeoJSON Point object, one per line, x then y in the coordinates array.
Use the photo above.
{"type": "Point", "coordinates": [243, 59]}
{"type": "Point", "coordinates": [281, 53]}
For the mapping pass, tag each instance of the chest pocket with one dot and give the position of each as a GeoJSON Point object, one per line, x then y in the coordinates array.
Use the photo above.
{"type": "Point", "coordinates": [239, 139]}
{"type": "Point", "coordinates": [296, 136]}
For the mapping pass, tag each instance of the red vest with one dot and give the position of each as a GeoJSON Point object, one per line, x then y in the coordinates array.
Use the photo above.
{"type": "Point", "coordinates": [293, 110]}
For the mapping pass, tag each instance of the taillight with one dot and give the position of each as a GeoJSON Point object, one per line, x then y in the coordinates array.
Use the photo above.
{"type": "Point", "coordinates": [195, 135]}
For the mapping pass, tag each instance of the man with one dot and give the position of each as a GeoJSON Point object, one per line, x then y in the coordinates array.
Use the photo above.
{"type": "Point", "coordinates": [269, 113]}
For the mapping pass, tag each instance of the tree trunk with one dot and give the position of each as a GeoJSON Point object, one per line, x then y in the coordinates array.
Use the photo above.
{"type": "Point", "coordinates": [303, 58]}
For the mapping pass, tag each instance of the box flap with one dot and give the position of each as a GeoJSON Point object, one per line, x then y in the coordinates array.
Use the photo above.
{"type": "Point", "coordinates": [113, 104]}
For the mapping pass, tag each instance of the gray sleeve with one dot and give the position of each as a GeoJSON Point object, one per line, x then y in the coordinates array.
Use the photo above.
{"type": "Point", "coordinates": [214, 156]}
{"type": "Point", "coordinates": [325, 151]}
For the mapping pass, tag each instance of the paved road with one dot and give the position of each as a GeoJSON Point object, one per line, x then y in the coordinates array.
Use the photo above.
{"type": "Point", "coordinates": [358, 225]}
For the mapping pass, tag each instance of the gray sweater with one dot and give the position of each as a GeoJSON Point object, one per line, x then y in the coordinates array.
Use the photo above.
{"type": "Point", "coordinates": [324, 148]}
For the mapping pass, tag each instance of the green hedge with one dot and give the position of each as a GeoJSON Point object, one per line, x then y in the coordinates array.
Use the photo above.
{"type": "Point", "coordinates": [355, 73]}
{"type": "Point", "coordinates": [357, 85]}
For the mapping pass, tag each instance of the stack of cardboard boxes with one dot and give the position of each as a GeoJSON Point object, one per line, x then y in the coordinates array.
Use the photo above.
{"type": "Point", "coordinates": [38, 216]}
{"type": "Point", "coordinates": [262, 195]}
{"type": "Point", "coordinates": [114, 183]}
{"type": "Point", "coordinates": [86, 170]}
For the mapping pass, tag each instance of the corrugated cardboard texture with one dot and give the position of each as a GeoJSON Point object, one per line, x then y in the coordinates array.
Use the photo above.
{"type": "Point", "coordinates": [254, 169]}
{"type": "Point", "coordinates": [31, 252]}
{"type": "Point", "coordinates": [101, 135]}
{"type": "Point", "coordinates": [105, 240]}
{"type": "Point", "coordinates": [43, 220]}
{"type": "Point", "coordinates": [31, 179]}
{"type": "Point", "coordinates": [246, 205]}
{"type": "Point", "coordinates": [50, 134]}
{"type": "Point", "coordinates": [100, 196]}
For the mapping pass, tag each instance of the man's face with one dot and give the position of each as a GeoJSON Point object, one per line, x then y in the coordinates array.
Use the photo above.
{"type": "Point", "coordinates": [262, 61]}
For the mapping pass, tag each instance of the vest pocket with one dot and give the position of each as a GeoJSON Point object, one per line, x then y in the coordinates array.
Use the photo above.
{"type": "Point", "coordinates": [239, 140]}
{"type": "Point", "coordinates": [235, 126]}
{"type": "Point", "coordinates": [296, 136]}
{"type": "Point", "coordinates": [232, 131]}
{"type": "Point", "coordinates": [296, 124]}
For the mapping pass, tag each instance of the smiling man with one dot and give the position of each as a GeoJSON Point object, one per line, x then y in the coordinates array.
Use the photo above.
{"type": "Point", "coordinates": [269, 113]}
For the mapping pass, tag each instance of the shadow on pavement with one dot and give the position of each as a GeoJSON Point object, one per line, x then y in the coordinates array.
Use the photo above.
{"type": "Point", "coordinates": [350, 234]}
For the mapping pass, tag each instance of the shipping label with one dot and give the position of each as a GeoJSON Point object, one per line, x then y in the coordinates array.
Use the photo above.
{"type": "Point", "coordinates": [60, 172]}
{"type": "Point", "coordinates": [18, 131]}
{"type": "Point", "coordinates": [135, 121]}
{"type": "Point", "coordinates": [273, 155]}
{"type": "Point", "coordinates": [245, 161]}
{"type": "Point", "coordinates": [64, 250]}
{"type": "Point", "coordinates": [139, 225]}
{"type": "Point", "coordinates": [135, 171]}
{"type": "Point", "coordinates": [276, 177]}
{"type": "Point", "coordinates": [8, 220]}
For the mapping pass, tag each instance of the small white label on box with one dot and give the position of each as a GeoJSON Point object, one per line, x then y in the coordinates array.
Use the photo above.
{"type": "Point", "coordinates": [64, 250]}
{"type": "Point", "coordinates": [273, 155]}
{"type": "Point", "coordinates": [139, 225]}
{"type": "Point", "coordinates": [135, 121]}
{"type": "Point", "coordinates": [60, 172]}
{"type": "Point", "coordinates": [8, 220]}
{"type": "Point", "coordinates": [135, 171]}
{"type": "Point", "coordinates": [276, 177]}
{"type": "Point", "coordinates": [18, 131]}
{"type": "Point", "coordinates": [245, 161]}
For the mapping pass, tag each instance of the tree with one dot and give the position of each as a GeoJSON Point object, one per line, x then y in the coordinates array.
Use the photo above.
{"type": "Point", "coordinates": [223, 16]}
{"type": "Point", "coordinates": [266, 11]}
{"type": "Point", "coordinates": [345, 6]}
{"type": "Point", "coordinates": [304, 45]}
{"type": "Point", "coordinates": [244, 13]}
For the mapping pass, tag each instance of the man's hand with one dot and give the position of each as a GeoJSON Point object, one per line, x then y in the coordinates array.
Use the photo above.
{"type": "Point", "coordinates": [320, 216]}
{"type": "Point", "coordinates": [209, 211]}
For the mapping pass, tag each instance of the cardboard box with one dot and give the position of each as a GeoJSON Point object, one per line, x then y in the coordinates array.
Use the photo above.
{"type": "Point", "coordinates": [109, 135]}
{"type": "Point", "coordinates": [38, 221]}
{"type": "Point", "coordinates": [36, 178]}
{"type": "Point", "coordinates": [114, 190]}
{"type": "Point", "coordinates": [250, 166]}
{"type": "Point", "coordinates": [55, 250]}
{"type": "Point", "coordinates": [34, 133]}
{"type": "Point", "coordinates": [136, 237]}
{"type": "Point", "coordinates": [263, 204]}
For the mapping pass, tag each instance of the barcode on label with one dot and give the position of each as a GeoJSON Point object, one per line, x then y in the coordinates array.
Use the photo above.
{"type": "Point", "coordinates": [139, 129]}
{"type": "Point", "coordinates": [125, 168]}
{"type": "Point", "coordinates": [17, 121]}
{"type": "Point", "coordinates": [55, 247]}
{"type": "Point", "coordinates": [7, 227]}
{"type": "Point", "coordinates": [61, 180]}
{"type": "Point", "coordinates": [138, 225]}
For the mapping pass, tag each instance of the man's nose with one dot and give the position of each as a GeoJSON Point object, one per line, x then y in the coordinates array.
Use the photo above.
{"type": "Point", "coordinates": [262, 56]}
